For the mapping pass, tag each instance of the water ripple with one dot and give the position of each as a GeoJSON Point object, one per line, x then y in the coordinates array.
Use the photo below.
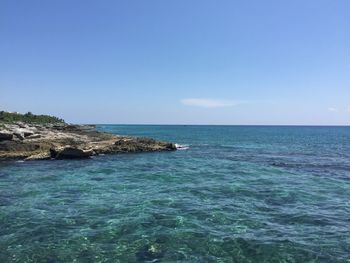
{"type": "Point", "coordinates": [238, 194]}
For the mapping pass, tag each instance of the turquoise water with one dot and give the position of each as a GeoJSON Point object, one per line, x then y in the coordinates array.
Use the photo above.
{"type": "Point", "coordinates": [237, 194]}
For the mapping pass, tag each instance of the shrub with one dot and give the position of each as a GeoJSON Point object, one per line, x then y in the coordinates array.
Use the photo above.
{"type": "Point", "coordinates": [28, 117]}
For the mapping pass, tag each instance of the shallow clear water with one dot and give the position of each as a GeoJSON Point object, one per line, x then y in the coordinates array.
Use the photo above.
{"type": "Point", "coordinates": [238, 194]}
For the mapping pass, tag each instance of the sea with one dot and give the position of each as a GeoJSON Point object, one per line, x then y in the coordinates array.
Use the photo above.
{"type": "Point", "coordinates": [229, 194]}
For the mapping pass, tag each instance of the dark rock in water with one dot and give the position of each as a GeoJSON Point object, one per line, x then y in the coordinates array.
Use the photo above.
{"type": "Point", "coordinates": [97, 179]}
{"type": "Point", "coordinates": [142, 144]}
{"type": "Point", "coordinates": [70, 153]}
{"type": "Point", "coordinates": [5, 136]}
{"type": "Point", "coordinates": [280, 164]}
{"type": "Point", "coordinates": [151, 253]}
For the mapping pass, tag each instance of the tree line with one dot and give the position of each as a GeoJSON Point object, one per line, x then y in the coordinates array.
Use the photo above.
{"type": "Point", "coordinates": [28, 118]}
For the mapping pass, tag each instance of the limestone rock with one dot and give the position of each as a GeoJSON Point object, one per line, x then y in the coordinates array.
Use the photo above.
{"type": "Point", "coordinates": [33, 136]}
{"type": "Point", "coordinates": [39, 156]}
{"type": "Point", "coordinates": [46, 141]}
{"type": "Point", "coordinates": [69, 152]}
{"type": "Point", "coordinates": [20, 136]}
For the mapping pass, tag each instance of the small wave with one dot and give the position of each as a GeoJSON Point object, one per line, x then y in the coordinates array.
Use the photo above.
{"type": "Point", "coordinates": [20, 161]}
{"type": "Point", "coordinates": [181, 146]}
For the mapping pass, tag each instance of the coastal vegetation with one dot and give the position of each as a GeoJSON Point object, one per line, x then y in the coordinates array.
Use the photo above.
{"type": "Point", "coordinates": [11, 117]}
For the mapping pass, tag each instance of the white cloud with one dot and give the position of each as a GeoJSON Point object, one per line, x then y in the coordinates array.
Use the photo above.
{"type": "Point", "coordinates": [208, 103]}
{"type": "Point", "coordinates": [332, 109]}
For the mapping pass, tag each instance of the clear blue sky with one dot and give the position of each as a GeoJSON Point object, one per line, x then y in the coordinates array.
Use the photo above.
{"type": "Point", "coordinates": [172, 62]}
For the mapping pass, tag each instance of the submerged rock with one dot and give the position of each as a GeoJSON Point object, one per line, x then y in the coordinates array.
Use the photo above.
{"type": "Point", "coordinates": [152, 252]}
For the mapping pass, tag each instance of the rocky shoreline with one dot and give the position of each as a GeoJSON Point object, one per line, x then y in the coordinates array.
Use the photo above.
{"type": "Point", "coordinates": [24, 141]}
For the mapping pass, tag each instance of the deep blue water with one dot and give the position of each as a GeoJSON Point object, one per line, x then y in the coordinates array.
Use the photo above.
{"type": "Point", "coordinates": [237, 194]}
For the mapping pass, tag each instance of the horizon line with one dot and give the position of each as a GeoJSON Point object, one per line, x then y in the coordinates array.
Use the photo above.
{"type": "Point", "coordinates": [180, 124]}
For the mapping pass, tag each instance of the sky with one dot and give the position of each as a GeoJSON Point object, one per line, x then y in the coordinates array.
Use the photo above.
{"type": "Point", "coordinates": [248, 62]}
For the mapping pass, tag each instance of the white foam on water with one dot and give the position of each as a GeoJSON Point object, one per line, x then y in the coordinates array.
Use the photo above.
{"type": "Point", "coordinates": [181, 146]}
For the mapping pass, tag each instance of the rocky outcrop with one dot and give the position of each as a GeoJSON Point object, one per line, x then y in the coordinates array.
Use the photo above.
{"type": "Point", "coordinates": [5, 136]}
{"type": "Point", "coordinates": [62, 141]}
{"type": "Point", "coordinates": [141, 145]}
{"type": "Point", "coordinates": [70, 152]}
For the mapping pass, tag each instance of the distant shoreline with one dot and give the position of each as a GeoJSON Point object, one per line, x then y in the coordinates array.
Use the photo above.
{"type": "Point", "coordinates": [225, 125]}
